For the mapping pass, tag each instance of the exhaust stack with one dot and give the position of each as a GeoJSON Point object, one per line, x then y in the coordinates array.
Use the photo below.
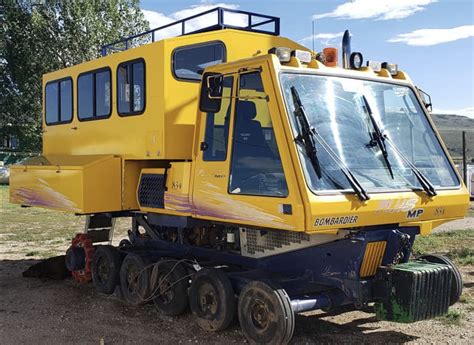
{"type": "Point", "coordinates": [346, 49]}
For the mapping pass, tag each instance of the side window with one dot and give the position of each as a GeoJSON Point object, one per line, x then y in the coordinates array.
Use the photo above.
{"type": "Point", "coordinates": [189, 62]}
{"type": "Point", "coordinates": [131, 88]}
{"type": "Point", "coordinates": [58, 102]}
{"type": "Point", "coordinates": [94, 95]}
{"type": "Point", "coordinates": [256, 167]}
{"type": "Point", "coordinates": [217, 127]}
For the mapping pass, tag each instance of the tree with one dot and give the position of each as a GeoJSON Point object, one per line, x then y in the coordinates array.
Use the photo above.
{"type": "Point", "coordinates": [38, 37]}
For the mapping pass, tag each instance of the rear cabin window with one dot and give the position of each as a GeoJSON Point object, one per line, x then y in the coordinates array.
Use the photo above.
{"type": "Point", "coordinates": [58, 101]}
{"type": "Point", "coordinates": [131, 87]}
{"type": "Point", "coordinates": [189, 62]}
{"type": "Point", "coordinates": [94, 95]}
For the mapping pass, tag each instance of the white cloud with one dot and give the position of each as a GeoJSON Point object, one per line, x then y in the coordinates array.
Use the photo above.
{"type": "Point", "coordinates": [157, 19]}
{"type": "Point", "coordinates": [469, 112]}
{"type": "Point", "coordinates": [430, 37]}
{"type": "Point", "coordinates": [376, 9]}
{"type": "Point", "coordinates": [325, 38]}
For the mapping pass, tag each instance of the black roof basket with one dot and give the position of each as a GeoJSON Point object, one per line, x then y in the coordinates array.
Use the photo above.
{"type": "Point", "coordinates": [219, 18]}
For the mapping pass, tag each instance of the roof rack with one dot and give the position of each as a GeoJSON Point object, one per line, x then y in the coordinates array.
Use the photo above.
{"type": "Point", "coordinates": [219, 18]}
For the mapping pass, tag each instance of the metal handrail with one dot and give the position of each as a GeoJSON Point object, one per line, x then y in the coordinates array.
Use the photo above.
{"type": "Point", "coordinates": [251, 26]}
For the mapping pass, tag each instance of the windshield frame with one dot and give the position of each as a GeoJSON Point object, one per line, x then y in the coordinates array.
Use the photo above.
{"type": "Point", "coordinates": [349, 191]}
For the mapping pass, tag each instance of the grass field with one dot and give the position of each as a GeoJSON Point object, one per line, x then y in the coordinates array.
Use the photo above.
{"type": "Point", "coordinates": [457, 245]}
{"type": "Point", "coordinates": [36, 232]}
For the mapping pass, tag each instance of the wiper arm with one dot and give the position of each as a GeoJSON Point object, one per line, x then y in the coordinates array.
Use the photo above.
{"type": "Point", "coordinates": [377, 137]}
{"type": "Point", "coordinates": [306, 132]}
{"type": "Point", "coordinates": [307, 135]}
{"type": "Point", "coordinates": [380, 138]}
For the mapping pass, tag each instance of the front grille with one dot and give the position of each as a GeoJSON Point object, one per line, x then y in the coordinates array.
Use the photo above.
{"type": "Point", "coordinates": [413, 291]}
{"type": "Point", "coordinates": [372, 258]}
{"type": "Point", "coordinates": [151, 191]}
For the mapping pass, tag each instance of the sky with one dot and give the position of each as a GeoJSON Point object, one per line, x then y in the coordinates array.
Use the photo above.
{"type": "Point", "coordinates": [431, 40]}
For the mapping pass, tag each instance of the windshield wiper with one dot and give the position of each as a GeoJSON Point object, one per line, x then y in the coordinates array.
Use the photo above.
{"type": "Point", "coordinates": [307, 135]}
{"type": "Point", "coordinates": [379, 138]}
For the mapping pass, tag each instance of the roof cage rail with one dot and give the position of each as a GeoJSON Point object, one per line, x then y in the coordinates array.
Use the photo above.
{"type": "Point", "coordinates": [219, 17]}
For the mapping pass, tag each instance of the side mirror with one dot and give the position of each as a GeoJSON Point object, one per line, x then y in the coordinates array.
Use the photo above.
{"type": "Point", "coordinates": [211, 92]}
{"type": "Point", "coordinates": [426, 100]}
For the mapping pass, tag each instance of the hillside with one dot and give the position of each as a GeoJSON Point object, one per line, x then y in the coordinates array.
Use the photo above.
{"type": "Point", "coordinates": [450, 128]}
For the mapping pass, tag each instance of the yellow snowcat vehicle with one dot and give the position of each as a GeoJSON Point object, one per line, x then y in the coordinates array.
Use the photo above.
{"type": "Point", "coordinates": [262, 180]}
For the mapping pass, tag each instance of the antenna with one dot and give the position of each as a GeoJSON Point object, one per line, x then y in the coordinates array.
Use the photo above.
{"type": "Point", "coordinates": [312, 36]}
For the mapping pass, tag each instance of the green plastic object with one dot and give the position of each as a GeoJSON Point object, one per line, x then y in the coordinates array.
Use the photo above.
{"type": "Point", "coordinates": [412, 291]}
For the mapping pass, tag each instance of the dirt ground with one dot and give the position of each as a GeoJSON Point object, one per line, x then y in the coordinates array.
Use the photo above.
{"type": "Point", "coordinates": [45, 312]}
{"type": "Point", "coordinates": [34, 311]}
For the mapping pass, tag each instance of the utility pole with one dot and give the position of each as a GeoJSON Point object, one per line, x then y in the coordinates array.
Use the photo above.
{"type": "Point", "coordinates": [464, 157]}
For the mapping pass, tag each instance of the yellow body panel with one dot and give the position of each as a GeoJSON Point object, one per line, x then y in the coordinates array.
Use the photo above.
{"type": "Point", "coordinates": [211, 198]}
{"type": "Point", "coordinates": [89, 184]}
{"type": "Point", "coordinates": [166, 128]}
{"type": "Point", "coordinates": [178, 192]}
{"type": "Point", "coordinates": [100, 162]}
{"type": "Point", "coordinates": [323, 213]}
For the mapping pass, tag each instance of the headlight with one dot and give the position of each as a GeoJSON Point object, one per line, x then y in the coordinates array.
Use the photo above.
{"type": "Point", "coordinates": [375, 65]}
{"type": "Point", "coordinates": [283, 53]}
{"type": "Point", "coordinates": [391, 67]}
{"type": "Point", "coordinates": [302, 55]}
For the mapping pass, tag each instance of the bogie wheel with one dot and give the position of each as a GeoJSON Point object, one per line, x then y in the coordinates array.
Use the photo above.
{"type": "Point", "coordinates": [265, 314]}
{"type": "Point", "coordinates": [212, 300]}
{"type": "Point", "coordinates": [134, 279]}
{"type": "Point", "coordinates": [170, 282]}
{"type": "Point", "coordinates": [456, 281]}
{"type": "Point", "coordinates": [106, 268]}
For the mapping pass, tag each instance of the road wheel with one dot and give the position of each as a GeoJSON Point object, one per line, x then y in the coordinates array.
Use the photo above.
{"type": "Point", "coordinates": [170, 283]}
{"type": "Point", "coordinates": [106, 268]}
{"type": "Point", "coordinates": [456, 281]}
{"type": "Point", "coordinates": [134, 279]}
{"type": "Point", "coordinates": [265, 314]}
{"type": "Point", "coordinates": [212, 299]}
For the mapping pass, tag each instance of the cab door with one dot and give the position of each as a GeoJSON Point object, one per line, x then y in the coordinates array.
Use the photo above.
{"type": "Point", "coordinates": [241, 175]}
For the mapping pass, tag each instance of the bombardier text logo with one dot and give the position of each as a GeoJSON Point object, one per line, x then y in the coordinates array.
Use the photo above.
{"type": "Point", "coordinates": [344, 220]}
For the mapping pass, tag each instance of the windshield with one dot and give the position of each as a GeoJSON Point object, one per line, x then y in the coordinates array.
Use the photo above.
{"type": "Point", "coordinates": [342, 111]}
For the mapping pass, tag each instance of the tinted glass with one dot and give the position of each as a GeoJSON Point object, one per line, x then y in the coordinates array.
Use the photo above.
{"type": "Point", "coordinates": [123, 90]}
{"type": "Point", "coordinates": [131, 88]}
{"type": "Point", "coordinates": [190, 62]}
{"type": "Point", "coordinates": [66, 101]}
{"type": "Point", "coordinates": [85, 96]}
{"type": "Point", "coordinates": [102, 93]}
{"type": "Point", "coordinates": [256, 167]}
{"type": "Point", "coordinates": [51, 106]}
{"type": "Point", "coordinates": [138, 86]}
{"type": "Point", "coordinates": [217, 127]}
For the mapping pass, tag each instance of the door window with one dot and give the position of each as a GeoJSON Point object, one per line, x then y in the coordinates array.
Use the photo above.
{"type": "Point", "coordinates": [256, 167]}
{"type": "Point", "coordinates": [217, 127]}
